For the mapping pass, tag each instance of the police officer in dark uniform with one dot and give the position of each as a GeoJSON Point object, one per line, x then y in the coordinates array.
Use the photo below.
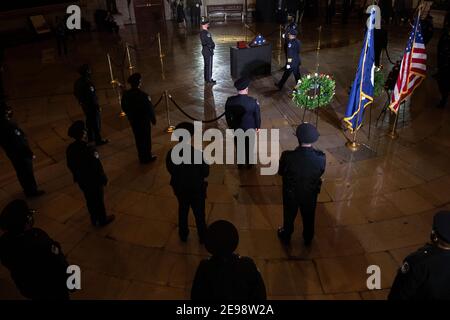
{"type": "Point", "coordinates": [208, 47]}
{"type": "Point", "coordinates": [444, 67]}
{"type": "Point", "coordinates": [226, 275]}
{"type": "Point", "coordinates": [293, 59]}
{"type": "Point", "coordinates": [301, 170]}
{"type": "Point", "coordinates": [243, 112]}
{"type": "Point", "coordinates": [291, 25]}
{"type": "Point", "coordinates": [35, 261]}
{"type": "Point", "coordinates": [139, 109]}
{"type": "Point", "coordinates": [84, 91]}
{"type": "Point", "coordinates": [425, 274]}
{"type": "Point", "coordinates": [195, 8]}
{"type": "Point", "coordinates": [84, 163]}
{"type": "Point", "coordinates": [15, 144]}
{"type": "Point", "coordinates": [189, 185]}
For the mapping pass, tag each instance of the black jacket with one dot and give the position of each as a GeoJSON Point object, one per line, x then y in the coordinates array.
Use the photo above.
{"type": "Point", "coordinates": [242, 112]}
{"type": "Point", "coordinates": [293, 53]}
{"type": "Point", "coordinates": [232, 278]}
{"type": "Point", "coordinates": [188, 177]}
{"type": "Point", "coordinates": [138, 106]}
{"type": "Point", "coordinates": [84, 91]}
{"type": "Point", "coordinates": [14, 141]}
{"type": "Point", "coordinates": [301, 170]}
{"type": "Point", "coordinates": [84, 163]}
{"type": "Point", "coordinates": [36, 263]}
{"type": "Point", "coordinates": [208, 44]}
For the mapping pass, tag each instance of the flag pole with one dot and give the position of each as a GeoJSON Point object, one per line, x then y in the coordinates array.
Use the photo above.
{"type": "Point", "coordinates": [353, 145]}
{"type": "Point", "coordinates": [394, 134]}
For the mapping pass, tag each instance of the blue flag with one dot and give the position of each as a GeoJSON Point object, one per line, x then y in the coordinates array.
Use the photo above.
{"type": "Point", "coordinates": [361, 95]}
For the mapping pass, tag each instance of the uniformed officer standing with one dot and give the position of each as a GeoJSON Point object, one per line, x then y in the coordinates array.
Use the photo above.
{"type": "Point", "coordinates": [425, 274]}
{"type": "Point", "coordinates": [139, 109]}
{"type": "Point", "coordinates": [84, 163]}
{"type": "Point", "coordinates": [444, 67]}
{"type": "Point", "coordinates": [291, 25]}
{"type": "Point", "coordinates": [84, 91]}
{"type": "Point", "coordinates": [195, 8]}
{"type": "Point", "coordinates": [15, 144]}
{"type": "Point", "coordinates": [301, 170]}
{"type": "Point", "coordinates": [189, 185]}
{"type": "Point", "coordinates": [208, 47]}
{"type": "Point", "coordinates": [35, 261]}
{"type": "Point", "coordinates": [243, 112]}
{"type": "Point", "coordinates": [226, 275]}
{"type": "Point", "coordinates": [293, 59]}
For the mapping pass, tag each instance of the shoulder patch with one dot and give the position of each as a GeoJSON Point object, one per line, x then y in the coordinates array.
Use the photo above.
{"type": "Point", "coordinates": [289, 45]}
{"type": "Point", "coordinates": [405, 267]}
{"type": "Point", "coordinates": [96, 155]}
{"type": "Point", "coordinates": [17, 132]}
{"type": "Point", "coordinates": [55, 249]}
{"type": "Point", "coordinates": [208, 35]}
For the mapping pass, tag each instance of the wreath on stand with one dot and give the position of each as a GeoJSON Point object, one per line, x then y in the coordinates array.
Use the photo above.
{"type": "Point", "coordinates": [314, 91]}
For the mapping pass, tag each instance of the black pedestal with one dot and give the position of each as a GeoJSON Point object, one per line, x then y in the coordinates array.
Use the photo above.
{"type": "Point", "coordinates": [251, 61]}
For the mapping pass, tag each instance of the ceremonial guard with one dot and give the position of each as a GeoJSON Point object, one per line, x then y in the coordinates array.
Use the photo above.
{"type": "Point", "coordinates": [243, 112]}
{"type": "Point", "coordinates": [425, 274]}
{"type": "Point", "coordinates": [15, 144]}
{"type": "Point", "coordinates": [139, 109]}
{"type": "Point", "coordinates": [195, 9]}
{"type": "Point", "coordinates": [84, 91]}
{"type": "Point", "coordinates": [301, 170]}
{"type": "Point", "coordinates": [208, 47]}
{"type": "Point", "coordinates": [291, 25]}
{"type": "Point", "coordinates": [293, 59]}
{"type": "Point", "coordinates": [189, 185]}
{"type": "Point", "coordinates": [37, 264]}
{"type": "Point", "coordinates": [226, 275]}
{"type": "Point", "coordinates": [84, 163]}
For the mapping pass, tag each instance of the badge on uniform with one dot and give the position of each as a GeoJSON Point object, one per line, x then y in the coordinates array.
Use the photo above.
{"type": "Point", "coordinates": [289, 45]}
{"type": "Point", "coordinates": [405, 267]}
{"type": "Point", "coordinates": [92, 89]}
{"type": "Point", "coordinates": [208, 35]}
{"type": "Point", "coordinates": [96, 155]}
{"type": "Point", "coordinates": [17, 132]}
{"type": "Point", "coordinates": [55, 249]}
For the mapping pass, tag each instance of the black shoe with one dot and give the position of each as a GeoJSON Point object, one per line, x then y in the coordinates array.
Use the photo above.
{"type": "Point", "coordinates": [101, 142]}
{"type": "Point", "coordinates": [107, 220]}
{"type": "Point", "coordinates": [34, 194]}
{"type": "Point", "coordinates": [283, 236]}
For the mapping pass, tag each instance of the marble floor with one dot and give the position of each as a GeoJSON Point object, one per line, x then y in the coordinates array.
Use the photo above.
{"type": "Point", "coordinates": [376, 205]}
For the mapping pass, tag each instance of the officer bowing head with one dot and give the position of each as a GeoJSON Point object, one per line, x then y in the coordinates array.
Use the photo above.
{"type": "Point", "coordinates": [16, 217]}
{"type": "Point", "coordinates": [135, 80]}
{"type": "Point", "coordinates": [242, 85]}
{"type": "Point", "coordinates": [222, 238]}
{"type": "Point", "coordinates": [78, 131]}
{"type": "Point", "coordinates": [307, 134]}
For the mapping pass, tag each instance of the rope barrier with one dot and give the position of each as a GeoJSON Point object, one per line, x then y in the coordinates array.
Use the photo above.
{"type": "Point", "coordinates": [192, 118]}
{"type": "Point", "coordinates": [159, 101]}
{"type": "Point", "coordinates": [388, 56]}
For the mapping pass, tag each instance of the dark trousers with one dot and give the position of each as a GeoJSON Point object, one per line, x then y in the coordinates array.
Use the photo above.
{"type": "Point", "coordinates": [249, 146]}
{"type": "Point", "coordinates": [307, 205]}
{"type": "Point", "coordinates": [295, 70]}
{"type": "Point", "coordinates": [208, 63]}
{"type": "Point", "coordinates": [25, 174]}
{"type": "Point", "coordinates": [143, 139]}
{"type": "Point", "coordinates": [94, 195]}
{"type": "Point", "coordinates": [196, 201]}
{"type": "Point", "coordinates": [93, 126]}
{"type": "Point", "coordinates": [195, 15]}
{"type": "Point", "coordinates": [61, 42]}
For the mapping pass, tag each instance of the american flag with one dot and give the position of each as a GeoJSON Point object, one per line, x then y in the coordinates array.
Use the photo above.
{"type": "Point", "coordinates": [412, 70]}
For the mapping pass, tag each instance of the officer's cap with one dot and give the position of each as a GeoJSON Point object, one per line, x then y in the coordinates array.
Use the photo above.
{"type": "Point", "coordinates": [242, 83]}
{"type": "Point", "coordinates": [15, 216]}
{"type": "Point", "coordinates": [134, 79]}
{"type": "Point", "coordinates": [204, 20]}
{"type": "Point", "coordinates": [293, 32]}
{"type": "Point", "coordinates": [84, 69]}
{"type": "Point", "coordinates": [76, 130]}
{"type": "Point", "coordinates": [441, 225]}
{"type": "Point", "coordinates": [307, 133]}
{"type": "Point", "coordinates": [222, 238]}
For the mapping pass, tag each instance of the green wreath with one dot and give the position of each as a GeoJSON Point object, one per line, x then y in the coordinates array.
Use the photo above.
{"type": "Point", "coordinates": [314, 91]}
{"type": "Point", "coordinates": [378, 82]}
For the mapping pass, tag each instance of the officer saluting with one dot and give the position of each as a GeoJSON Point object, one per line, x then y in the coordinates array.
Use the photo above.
{"type": "Point", "coordinates": [189, 185]}
{"type": "Point", "coordinates": [15, 144]}
{"type": "Point", "coordinates": [301, 170]}
{"type": "Point", "coordinates": [425, 274]}
{"type": "Point", "coordinates": [226, 275]}
{"type": "Point", "coordinates": [243, 112]}
{"type": "Point", "coordinates": [208, 47]}
{"type": "Point", "coordinates": [84, 91]}
{"type": "Point", "coordinates": [83, 161]}
{"type": "Point", "coordinates": [139, 109]}
{"type": "Point", "coordinates": [293, 59]}
{"type": "Point", "coordinates": [35, 261]}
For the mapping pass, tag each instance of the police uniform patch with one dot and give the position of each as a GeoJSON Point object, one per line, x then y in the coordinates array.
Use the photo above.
{"type": "Point", "coordinates": [289, 45]}
{"type": "Point", "coordinates": [17, 132]}
{"type": "Point", "coordinates": [208, 35]}
{"type": "Point", "coordinates": [96, 155]}
{"type": "Point", "coordinates": [55, 249]}
{"type": "Point", "coordinates": [405, 267]}
{"type": "Point", "coordinates": [92, 89]}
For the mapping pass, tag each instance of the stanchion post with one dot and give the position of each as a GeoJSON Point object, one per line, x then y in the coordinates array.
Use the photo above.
{"type": "Point", "coordinates": [114, 84]}
{"type": "Point", "coordinates": [393, 134]}
{"type": "Point", "coordinates": [170, 128]}
{"type": "Point", "coordinates": [130, 65]}
{"type": "Point", "coordinates": [159, 46]}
